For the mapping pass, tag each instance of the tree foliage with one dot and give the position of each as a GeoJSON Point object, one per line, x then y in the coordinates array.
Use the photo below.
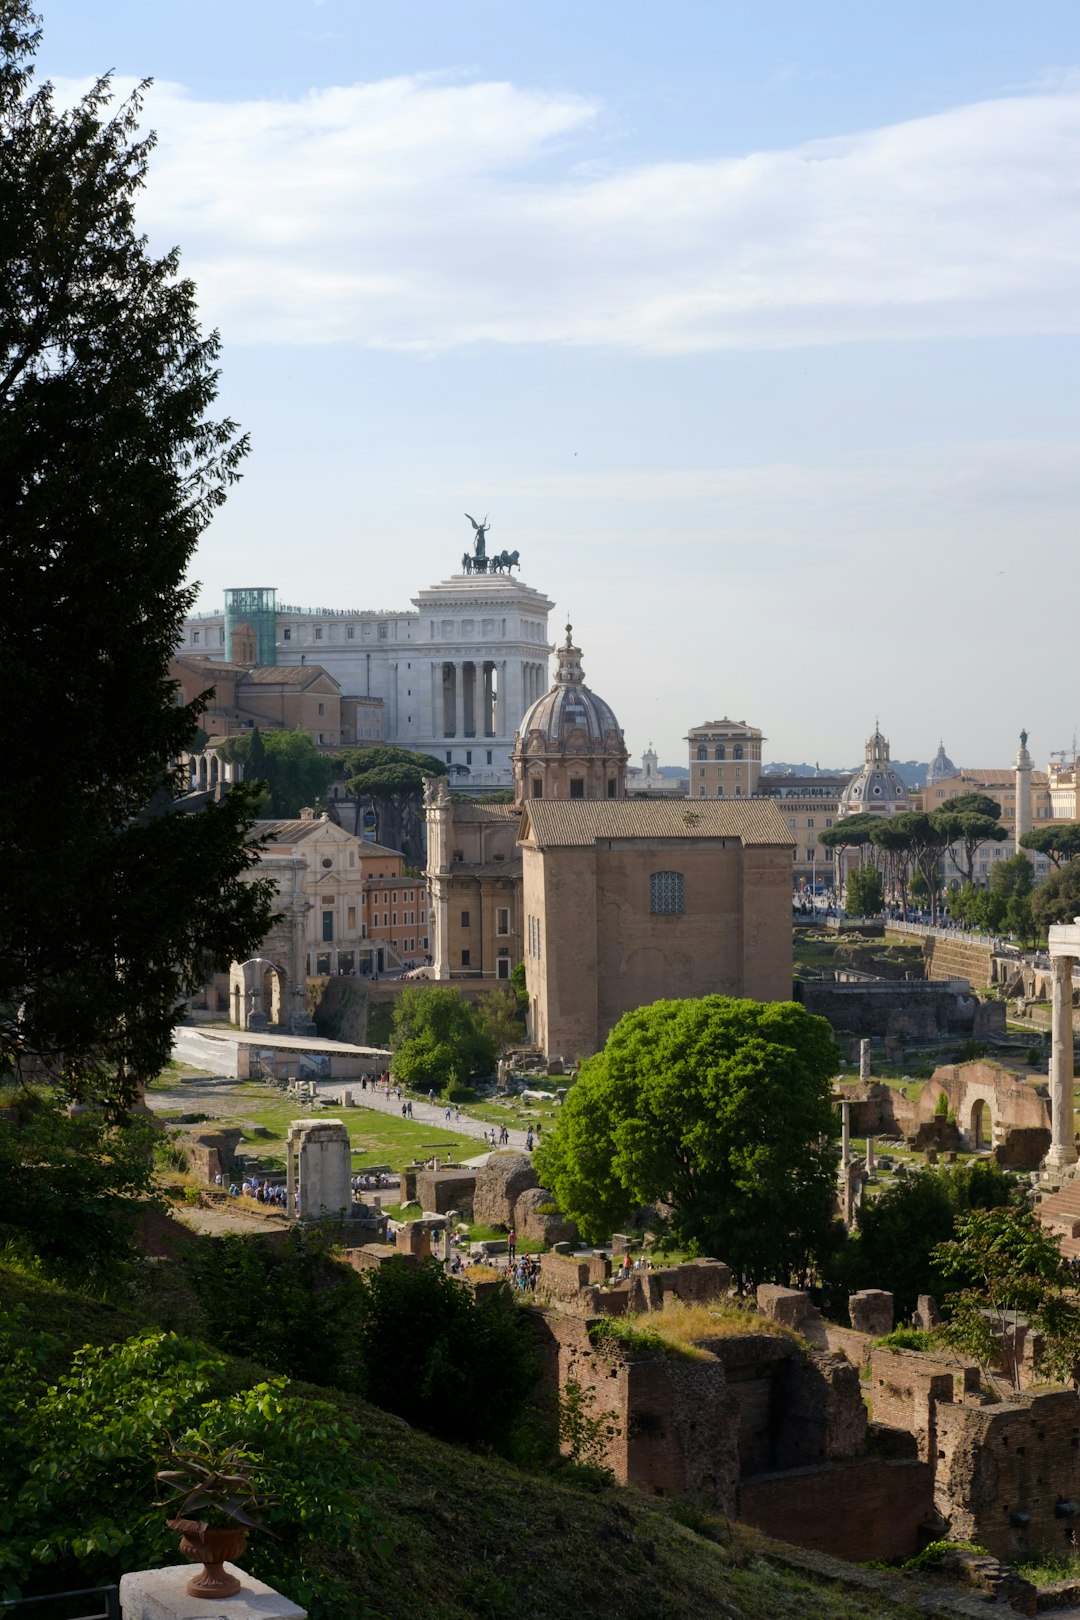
{"type": "Point", "coordinates": [898, 1232]}
{"type": "Point", "coordinates": [390, 782]}
{"type": "Point", "coordinates": [459, 1369]}
{"type": "Point", "coordinates": [1010, 1264]}
{"type": "Point", "coordinates": [1058, 840]}
{"type": "Point", "coordinates": [865, 892]}
{"type": "Point", "coordinates": [70, 1186]}
{"type": "Point", "coordinates": [717, 1109]}
{"type": "Point", "coordinates": [112, 907]}
{"type": "Point", "coordinates": [438, 1034]}
{"type": "Point", "coordinates": [501, 1019]}
{"type": "Point", "coordinates": [1057, 898]}
{"type": "Point", "coordinates": [293, 772]}
{"type": "Point", "coordinates": [77, 1468]}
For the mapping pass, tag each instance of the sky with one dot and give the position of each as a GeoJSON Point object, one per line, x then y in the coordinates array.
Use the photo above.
{"type": "Point", "coordinates": [754, 329]}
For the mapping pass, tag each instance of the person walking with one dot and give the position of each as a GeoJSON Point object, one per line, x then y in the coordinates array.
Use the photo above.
{"type": "Point", "coordinates": [529, 1140]}
{"type": "Point", "coordinates": [511, 1245]}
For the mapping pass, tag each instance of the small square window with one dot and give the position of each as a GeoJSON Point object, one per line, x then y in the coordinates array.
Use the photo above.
{"type": "Point", "coordinates": [537, 788]}
{"type": "Point", "coordinates": [464, 919]}
{"type": "Point", "coordinates": [318, 632]}
{"type": "Point", "coordinates": [577, 787]}
{"type": "Point", "coordinates": [465, 958]}
{"type": "Point", "coordinates": [611, 787]}
{"type": "Point", "coordinates": [286, 635]}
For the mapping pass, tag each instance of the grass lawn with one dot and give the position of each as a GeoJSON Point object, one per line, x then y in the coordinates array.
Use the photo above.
{"type": "Point", "coordinates": [376, 1138]}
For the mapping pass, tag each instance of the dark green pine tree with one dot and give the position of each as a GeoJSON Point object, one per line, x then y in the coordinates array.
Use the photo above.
{"type": "Point", "coordinates": [110, 468]}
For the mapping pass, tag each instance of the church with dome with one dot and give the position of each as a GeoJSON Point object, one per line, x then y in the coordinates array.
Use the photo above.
{"type": "Point", "coordinates": [612, 903]}
{"type": "Point", "coordinates": [877, 789]}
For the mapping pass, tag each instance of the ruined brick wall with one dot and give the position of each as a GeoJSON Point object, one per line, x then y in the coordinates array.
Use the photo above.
{"type": "Point", "coordinates": [674, 1422]}
{"type": "Point", "coordinates": [1003, 1470]}
{"type": "Point", "coordinates": [907, 1386]}
{"type": "Point", "coordinates": [869, 1508]}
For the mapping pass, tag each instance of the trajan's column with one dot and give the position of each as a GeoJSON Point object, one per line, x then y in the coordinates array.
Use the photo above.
{"type": "Point", "coordinates": [1064, 950]}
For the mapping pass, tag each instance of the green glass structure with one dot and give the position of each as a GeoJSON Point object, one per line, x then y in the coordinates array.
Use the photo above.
{"type": "Point", "coordinates": [255, 605]}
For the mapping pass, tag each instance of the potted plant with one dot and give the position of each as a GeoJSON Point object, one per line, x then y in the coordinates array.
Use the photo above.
{"type": "Point", "coordinates": [215, 1495]}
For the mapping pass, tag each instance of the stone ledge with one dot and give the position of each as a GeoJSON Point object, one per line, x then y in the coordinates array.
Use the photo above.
{"type": "Point", "coordinates": [158, 1594]}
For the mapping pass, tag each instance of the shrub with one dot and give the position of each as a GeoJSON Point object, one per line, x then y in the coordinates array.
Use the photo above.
{"type": "Point", "coordinates": [77, 1473]}
{"type": "Point", "coordinates": [907, 1338]}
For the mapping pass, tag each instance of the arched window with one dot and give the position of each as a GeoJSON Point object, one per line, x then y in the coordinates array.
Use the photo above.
{"type": "Point", "coordinates": [736, 752]}
{"type": "Point", "coordinates": [665, 893]}
{"type": "Point", "coordinates": [721, 752]}
{"type": "Point", "coordinates": [702, 751]}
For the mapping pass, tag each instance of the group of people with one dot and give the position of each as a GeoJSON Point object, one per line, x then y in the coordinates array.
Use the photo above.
{"type": "Point", "coordinates": [261, 1191]}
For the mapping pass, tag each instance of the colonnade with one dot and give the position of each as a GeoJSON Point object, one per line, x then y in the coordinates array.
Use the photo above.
{"type": "Point", "coordinates": [205, 771]}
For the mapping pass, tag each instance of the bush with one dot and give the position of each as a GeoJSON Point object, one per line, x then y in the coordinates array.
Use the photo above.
{"type": "Point", "coordinates": [429, 1352]}
{"type": "Point", "coordinates": [907, 1338]}
{"type": "Point", "coordinates": [77, 1470]}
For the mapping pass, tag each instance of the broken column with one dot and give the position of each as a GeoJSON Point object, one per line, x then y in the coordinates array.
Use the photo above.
{"type": "Point", "coordinates": [318, 1164]}
{"type": "Point", "coordinates": [864, 1061]}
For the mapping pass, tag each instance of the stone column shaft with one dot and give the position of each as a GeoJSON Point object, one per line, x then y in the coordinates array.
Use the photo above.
{"type": "Point", "coordinates": [1062, 1147]}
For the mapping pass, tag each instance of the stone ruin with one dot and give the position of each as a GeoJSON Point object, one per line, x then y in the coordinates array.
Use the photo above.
{"type": "Point", "coordinates": [993, 1108]}
{"type": "Point", "coordinates": [772, 1427]}
{"type": "Point", "coordinates": [504, 1192]}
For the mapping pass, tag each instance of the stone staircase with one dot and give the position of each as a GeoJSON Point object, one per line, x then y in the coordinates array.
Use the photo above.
{"type": "Point", "coordinates": [1060, 1212]}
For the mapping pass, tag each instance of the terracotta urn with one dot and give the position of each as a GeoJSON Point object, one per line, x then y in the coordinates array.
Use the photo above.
{"type": "Point", "coordinates": [212, 1548]}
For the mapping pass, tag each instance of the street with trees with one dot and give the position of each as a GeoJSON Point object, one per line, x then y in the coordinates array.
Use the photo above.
{"type": "Point", "coordinates": [114, 906]}
{"type": "Point", "coordinates": [717, 1110]}
{"type": "Point", "coordinates": [970, 821]}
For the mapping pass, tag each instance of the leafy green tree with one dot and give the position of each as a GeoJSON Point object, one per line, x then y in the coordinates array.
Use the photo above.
{"type": "Point", "coordinates": [1058, 840]}
{"type": "Point", "coordinates": [500, 1019]}
{"type": "Point", "coordinates": [1009, 1263]}
{"type": "Point", "coordinates": [1057, 898]}
{"type": "Point", "coordinates": [77, 1468]}
{"type": "Point", "coordinates": [112, 907]}
{"type": "Point", "coordinates": [390, 782]}
{"type": "Point", "coordinates": [898, 1232]}
{"type": "Point", "coordinates": [71, 1186]}
{"type": "Point", "coordinates": [718, 1109]}
{"type": "Point", "coordinates": [927, 839]}
{"type": "Point", "coordinates": [438, 1033]}
{"type": "Point", "coordinates": [865, 892]}
{"type": "Point", "coordinates": [460, 1370]}
{"type": "Point", "coordinates": [288, 764]}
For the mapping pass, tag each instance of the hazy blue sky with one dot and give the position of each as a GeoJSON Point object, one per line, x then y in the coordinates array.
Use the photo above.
{"type": "Point", "coordinates": [753, 327]}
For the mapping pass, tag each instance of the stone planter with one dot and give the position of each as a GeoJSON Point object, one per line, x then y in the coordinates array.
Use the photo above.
{"type": "Point", "coordinates": [212, 1548]}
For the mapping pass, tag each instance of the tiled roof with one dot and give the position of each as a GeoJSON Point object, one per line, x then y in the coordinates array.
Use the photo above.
{"type": "Point", "coordinates": [484, 812]}
{"type": "Point", "coordinates": [293, 832]}
{"type": "Point", "coordinates": [285, 674]}
{"type": "Point", "coordinates": [993, 776]}
{"type": "Point", "coordinates": [754, 821]}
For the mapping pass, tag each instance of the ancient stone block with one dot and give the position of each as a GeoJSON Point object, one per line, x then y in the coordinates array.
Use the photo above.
{"type": "Point", "coordinates": [871, 1311]}
{"type": "Point", "coordinates": [926, 1316]}
{"type": "Point", "coordinates": [443, 1190]}
{"type": "Point", "coordinates": [531, 1221]}
{"type": "Point", "coordinates": [499, 1184]}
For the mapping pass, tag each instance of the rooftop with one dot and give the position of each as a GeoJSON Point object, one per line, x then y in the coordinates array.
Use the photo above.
{"type": "Point", "coordinates": [584, 821]}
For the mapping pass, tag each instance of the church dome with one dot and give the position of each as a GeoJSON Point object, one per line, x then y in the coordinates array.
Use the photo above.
{"type": "Point", "coordinates": [941, 767]}
{"type": "Point", "coordinates": [877, 789]}
{"type": "Point", "coordinates": [569, 744]}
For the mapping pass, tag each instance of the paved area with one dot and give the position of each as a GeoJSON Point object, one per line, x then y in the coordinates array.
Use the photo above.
{"type": "Point", "coordinates": [425, 1113]}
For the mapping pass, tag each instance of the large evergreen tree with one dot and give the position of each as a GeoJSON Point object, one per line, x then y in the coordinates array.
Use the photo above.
{"type": "Point", "coordinates": [111, 904]}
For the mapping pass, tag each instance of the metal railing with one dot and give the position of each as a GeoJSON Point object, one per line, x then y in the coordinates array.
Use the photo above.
{"type": "Point", "coordinates": [109, 1596]}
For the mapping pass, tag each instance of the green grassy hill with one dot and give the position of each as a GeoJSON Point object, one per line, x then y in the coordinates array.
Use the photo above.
{"type": "Point", "coordinates": [470, 1536]}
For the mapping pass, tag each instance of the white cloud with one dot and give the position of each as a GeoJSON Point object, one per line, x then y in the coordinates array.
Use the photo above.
{"type": "Point", "coordinates": [424, 213]}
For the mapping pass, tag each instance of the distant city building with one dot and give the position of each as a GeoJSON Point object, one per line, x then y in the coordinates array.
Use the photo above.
{"type": "Point", "coordinates": [454, 677]}
{"type": "Point", "coordinates": [1023, 795]}
{"type": "Point", "coordinates": [725, 760]}
{"type": "Point", "coordinates": [810, 806]}
{"type": "Point", "coordinates": [569, 745]}
{"type": "Point", "coordinates": [941, 767]}
{"type": "Point", "coordinates": [877, 789]}
{"type": "Point", "coordinates": [283, 697]}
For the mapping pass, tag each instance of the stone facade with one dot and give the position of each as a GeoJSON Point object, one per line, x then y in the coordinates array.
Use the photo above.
{"type": "Point", "coordinates": [629, 902]}
{"type": "Point", "coordinates": [318, 1163]}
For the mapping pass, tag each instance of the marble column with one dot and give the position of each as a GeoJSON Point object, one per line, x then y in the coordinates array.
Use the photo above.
{"type": "Point", "coordinates": [459, 699]}
{"type": "Point", "coordinates": [845, 1132]}
{"type": "Point", "coordinates": [1063, 1146]}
